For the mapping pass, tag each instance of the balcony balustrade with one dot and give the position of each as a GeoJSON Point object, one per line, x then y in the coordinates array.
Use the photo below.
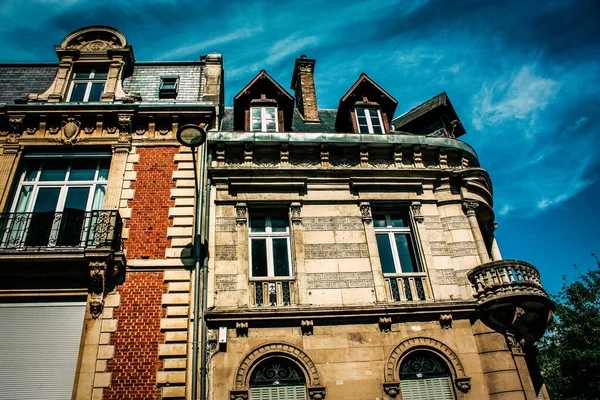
{"type": "Point", "coordinates": [280, 291]}
{"type": "Point", "coordinates": [406, 287]}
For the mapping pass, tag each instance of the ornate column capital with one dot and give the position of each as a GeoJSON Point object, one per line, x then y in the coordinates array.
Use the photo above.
{"type": "Point", "coordinates": [365, 212]}
{"type": "Point", "coordinates": [296, 212]}
{"type": "Point", "coordinates": [241, 213]}
{"type": "Point", "coordinates": [470, 206]}
{"type": "Point", "coordinates": [416, 209]}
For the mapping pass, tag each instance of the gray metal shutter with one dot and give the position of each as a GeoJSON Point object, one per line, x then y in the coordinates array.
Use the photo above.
{"type": "Point", "coordinates": [427, 389]}
{"type": "Point", "coordinates": [278, 393]}
{"type": "Point", "coordinates": [39, 347]}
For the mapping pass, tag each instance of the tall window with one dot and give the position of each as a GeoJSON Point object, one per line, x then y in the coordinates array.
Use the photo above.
{"type": "Point", "coordinates": [398, 257]}
{"type": "Point", "coordinates": [88, 84]}
{"type": "Point", "coordinates": [264, 119]}
{"type": "Point", "coordinates": [53, 197]}
{"type": "Point", "coordinates": [425, 376]}
{"type": "Point", "coordinates": [369, 120]}
{"type": "Point", "coordinates": [277, 378]}
{"type": "Point", "coordinates": [270, 260]}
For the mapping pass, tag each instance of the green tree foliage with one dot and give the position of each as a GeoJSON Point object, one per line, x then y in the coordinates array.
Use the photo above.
{"type": "Point", "coordinates": [570, 351]}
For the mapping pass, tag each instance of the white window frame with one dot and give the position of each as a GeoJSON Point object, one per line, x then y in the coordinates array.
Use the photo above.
{"type": "Point", "coordinates": [391, 232]}
{"type": "Point", "coordinates": [368, 118]}
{"type": "Point", "coordinates": [90, 80]}
{"type": "Point", "coordinates": [269, 235]}
{"type": "Point", "coordinates": [168, 91]}
{"type": "Point", "coordinates": [263, 118]}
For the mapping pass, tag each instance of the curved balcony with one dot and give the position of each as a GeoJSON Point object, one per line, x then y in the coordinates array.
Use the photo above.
{"type": "Point", "coordinates": [510, 295]}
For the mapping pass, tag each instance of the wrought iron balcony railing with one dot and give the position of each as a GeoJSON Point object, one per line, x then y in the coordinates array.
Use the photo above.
{"type": "Point", "coordinates": [505, 278]}
{"type": "Point", "coordinates": [278, 291]}
{"type": "Point", "coordinates": [59, 230]}
{"type": "Point", "coordinates": [406, 287]}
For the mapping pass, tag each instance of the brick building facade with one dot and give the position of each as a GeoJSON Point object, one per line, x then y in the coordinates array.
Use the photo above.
{"type": "Point", "coordinates": [350, 254]}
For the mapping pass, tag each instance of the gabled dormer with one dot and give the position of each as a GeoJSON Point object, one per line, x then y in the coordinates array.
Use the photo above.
{"type": "Point", "coordinates": [435, 117]}
{"type": "Point", "coordinates": [263, 106]}
{"type": "Point", "coordinates": [365, 108]}
{"type": "Point", "coordinates": [93, 62]}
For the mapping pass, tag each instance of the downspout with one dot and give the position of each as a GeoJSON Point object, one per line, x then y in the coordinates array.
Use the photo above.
{"type": "Point", "coordinates": [203, 347]}
{"type": "Point", "coordinates": [199, 186]}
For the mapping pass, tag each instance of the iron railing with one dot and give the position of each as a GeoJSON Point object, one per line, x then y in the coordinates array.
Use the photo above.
{"type": "Point", "coordinates": [68, 229]}
{"type": "Point", "coordinates": [407, 287]}
{"type": "Point", "coordinates": [272, 291]}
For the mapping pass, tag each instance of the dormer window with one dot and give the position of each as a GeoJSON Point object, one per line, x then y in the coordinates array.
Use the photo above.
{"type": "Point", "coordinates": [168, 86]}
{"type": "Point", "coordinates": [264, 119]}
{"type": "Point", "coordinates": [88, 85]}
{"type": "Point", "coordinates": [369, 120]}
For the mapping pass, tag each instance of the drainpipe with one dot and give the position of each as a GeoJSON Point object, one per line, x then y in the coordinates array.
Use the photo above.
{"type": "Point", "coordinates": [197, 257]}
{"type": "Point", "coordinates": [203, 348]}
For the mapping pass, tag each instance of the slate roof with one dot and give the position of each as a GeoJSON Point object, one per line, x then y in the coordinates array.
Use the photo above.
{"type": "Point", "coordinates": [17, 80]}
{"type": "Point", "coordinates": [327, 118]}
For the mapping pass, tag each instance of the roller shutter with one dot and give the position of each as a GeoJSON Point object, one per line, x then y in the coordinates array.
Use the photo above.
{"type": "Point", "coordinates": [39, 347]}
{"type": "Point", "coordinates": [427, 389]}
{"type": "Point", "coordinates": [278, 393]}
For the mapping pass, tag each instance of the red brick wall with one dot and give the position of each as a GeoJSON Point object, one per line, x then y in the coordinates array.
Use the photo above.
{"type": "Point", "coordinates": [136, 340]}
{"type": "Point", "coordinates": [150, 204]}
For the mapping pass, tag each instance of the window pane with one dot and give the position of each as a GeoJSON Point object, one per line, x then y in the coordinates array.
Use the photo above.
{"type": "Point", "coordinates": [99, 197]}
{"type": "Point", "coordinates": [78, 91]}
{"type": "Point", "coordinates": [24, 199]}
{"type": "Point", "coordinates": [32, 169]}
{"type": "Point", "coordinates": [46, 200]}
{"type": "Point", "coordinates": [271, 126]}
{"type": "Point", "coordinates": [385, 254]}
{"type": "Point", "coordinates": [256, 126]}
{"type": "Point", "coordinates": [257, 224]}
{"type": "Point", "coordinates": [77, 198]}
{"type": "Point", "coordinates": [100, 74]}
{"type": "Point", "coordinates": [279, 223]}
{"type": "Point", "coordinates": [374, 114]}
{"type": "Point", "coordinates": [54, 170]}
{"type": "Point", "coordinates": [399, 220]}
{"type": "Point", "coordinates": [259, 257]}
{"type": "Point", "coordinates": [256, 113]}
{"type": "Point", "coordinates": [281, 265]}
{"type": "Point", "coordinates": [363, 128]}
{"type": "Point", "coordinates": [379, 221]}
{"type": "Point", "coordinates": [96, 92]}
{"type": "Point", "coordinates": [270, 113]}
{"type": "Point", "coordinates": [83, 74]}
{"type": "Point", "coordinates": [103, 171]}
{"type": "Point", "coordinates": [83, 169]}
{"type": "Point", "coordinates": [360, 112]}
{"type": "Point", "coordinates": [407, 261]}
{"type": "Point", "coordinates": [377, 129]}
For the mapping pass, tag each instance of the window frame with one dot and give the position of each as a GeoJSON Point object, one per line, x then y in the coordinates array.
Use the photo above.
{"type": "Point", "coordinates": [263, 119]}
{"type": "Point", "coordinates": [89, 81]}
{"type": "Point", "coordinates": [367, 115]}
{"type": "Point", "coordinates": [391, 232]}
{"type": "Point", "coordinates": [168, 92]}
{"type": "Point", "coordinates": [269, 235]}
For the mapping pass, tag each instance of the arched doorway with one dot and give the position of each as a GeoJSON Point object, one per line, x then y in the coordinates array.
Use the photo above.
{"type": "Point", "coordinates": [425, 376]}
{"type": "Point", "coordinates": [277, 378]}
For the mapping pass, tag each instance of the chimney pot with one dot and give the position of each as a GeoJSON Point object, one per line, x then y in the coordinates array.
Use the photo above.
{"type": "Point", "coordinates": [303, 85]}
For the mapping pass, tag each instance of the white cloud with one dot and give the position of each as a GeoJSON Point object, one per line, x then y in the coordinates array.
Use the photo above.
{"type": "Point", "coordinates": [517, 97]}
{"type": "Point", "coordinates": [290, 45]}
{"type": "Point", "coordinates": [578, 124]}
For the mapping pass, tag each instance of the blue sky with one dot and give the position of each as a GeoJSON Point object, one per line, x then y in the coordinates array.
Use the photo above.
{"type": "Point", "coordinates": [524, 77]}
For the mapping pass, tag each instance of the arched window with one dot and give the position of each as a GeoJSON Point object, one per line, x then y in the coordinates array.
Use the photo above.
{"type": "Point", "coordinates": [279, 378]}
{"type": "Point", "coordinates": [425, 376]}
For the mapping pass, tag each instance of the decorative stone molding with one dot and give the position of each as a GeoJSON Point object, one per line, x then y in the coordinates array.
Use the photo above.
{"type": "Point", "coordinates": [306, 326]}
{"type": "Point", "coordinates": [296, 212]}
{"type": "Point", "coordinates": [97, 287]}
{"type": "Point", "coordinates": [446, 321]}
{"type": "Point", "coordinates": [324, 155]}
{"type": "Point", "coordinates": [417, 213]}
{"type": "Point", "coordinates": [391, 389]}
{"type": "Point", "coordinates": [515, 343]}
{"type": "Point", "coordinates": [15, 123]}
{"type": "Point", "coordinates": [238, 395]}
{"type": "Point", "coordinates": [385, 324]}
{"type": "Point", "coordinates": [364, 155]}
{"type": "Point", "coordinates": [248, 153]}
{"type": "Point", "coordinates": [418, 157]}
{"type": "Point", "coordinates": [443, 160]}
{"type": "Point", "coordinates": [125, 126]}
{"type": "Point", "coordinates": [470, 206]}
{"type": "Point", "coordinates": [365, 212]}
{"type": "Point", "coordinates": [398, 155]}
{"type": "Point", "coordinates": [463, 384]}
{"type": "Point", "coordinates": [392, 365]}
{"type": "Point", "coordinates": [241, 329]}
{"type": "Point", "coordinates": [316, 393]}
{"type": "Point", "coordinates": [220, 153]}
{"type": "Point", "coordinates": [241, 214]}
{"type": "Point", "coordinates": [242, 376]}
{"type": "Point", "coordinates": [284, 154]}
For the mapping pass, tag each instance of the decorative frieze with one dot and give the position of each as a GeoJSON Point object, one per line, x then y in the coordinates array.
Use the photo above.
{"type": "Point", "coordinates": [459, 249]}
{"type": "Point", "coordinates": [336, 250]}
{"type": "Point", "coordinates": [225, 282]}
{"type": "Point", "coordinates": [332, 224]}
{"type": "Point", "coordinates": [226, 252]}
{"type": "Point", "coordinates": [454, 222]}
{"type": "Point", "coordinates": [225, 224]}
{"type": "Point", "coordinates": [439, 248]}
{"type": "Point", "coordinates": [445, 276]}
{"type": "Point", "coordinates": [339, 280]}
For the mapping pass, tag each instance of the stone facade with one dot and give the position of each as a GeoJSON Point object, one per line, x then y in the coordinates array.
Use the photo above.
{"type": "Point", "coordinates": [345, 251]}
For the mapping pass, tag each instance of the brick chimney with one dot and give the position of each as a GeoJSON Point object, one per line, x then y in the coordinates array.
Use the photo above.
{"type": "Point", "coordinates": [303, 84]}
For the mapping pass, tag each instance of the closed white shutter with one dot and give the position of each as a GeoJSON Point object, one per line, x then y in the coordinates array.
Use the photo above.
{"type": "Point", "coordinates": [278, 393]}
{"type": "Point", "coordinates": [427, 389]}
{"type": "Point", "coordinates": [39, 347]}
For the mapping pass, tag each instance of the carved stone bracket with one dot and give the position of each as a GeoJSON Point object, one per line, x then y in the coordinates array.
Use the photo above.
{"type": "Point", "coordinates": [316, 393]}
{"type": "Point", "coordinates": [365, 212]}
{"type": "Point", "coordinates": [515, 343]}
{"type": "Point", "coordinates": [241, 329]}
{"type": "Point", "coordinates": [284, 154]}
{"type": "Point", "coordinates": [446, 321]}
{"type": "Point", "coordinates": [417, 157]}
{"type": "Point", "coordinates": [220, 153]}
{"type": "Point", "coordinates": [296, 211]}
{"type": "Point", "coordinates": [324, 155]}
{"type": "Point", "coordinates": [364, 155]}
{"type": "Point", "coordinates": [248, 153]}
{"type": "Point", "coordinates": [241, 214]}
{"type": "Point", "coordinates": [125, 126]}
{"type": "Point", "coordinates": [416, 209]}
{"type": "Point", "coordinates": [385, 324]}
{"type": "Point", "coordinates": [470, 206]}
{"type": "Point", "coordinates": [391, 389]}
{"type": "Point", "coordinates": [306, 326]}
{"type": "Point", "coordinates": [463, 384]}
{"type": "Point", "coordinates": [16, 123]}
{"type": "Point", "coordinates": [97, 286]}
{"type": "Point", "coordinates": [238, 395]}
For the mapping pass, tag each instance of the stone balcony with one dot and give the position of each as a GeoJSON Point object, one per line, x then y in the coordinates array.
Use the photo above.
{"type": "Point", "coordinates": [511, 296]}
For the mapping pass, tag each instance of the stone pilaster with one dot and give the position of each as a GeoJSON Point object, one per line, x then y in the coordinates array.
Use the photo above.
{"type": "Point", "coordinates": [9, 160]}
{"type": "Point", "coordinates": [470, 207]}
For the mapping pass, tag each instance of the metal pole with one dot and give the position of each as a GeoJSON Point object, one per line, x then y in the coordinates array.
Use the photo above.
{"type": "Point", "coordinates": [204, 290]}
